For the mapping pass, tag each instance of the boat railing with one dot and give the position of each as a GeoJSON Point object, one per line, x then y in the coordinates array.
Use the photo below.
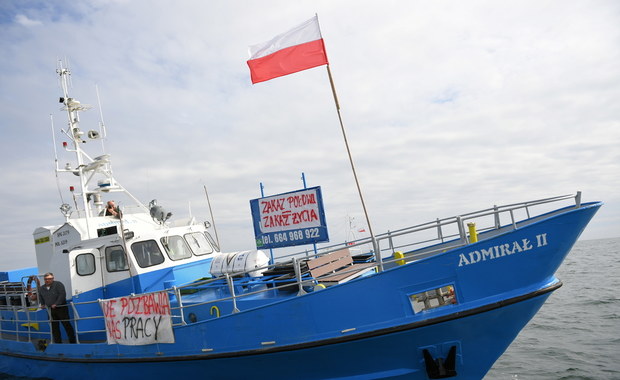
{"type": "Point", "coordinates": [433, 237]}
{"type": "Point", "coordinates": [22, 325]}
{"type": "Point", "coordinates": [441, 234]}
{"type": "Point", "coordinates": [463, 229]}
{"type": "Point", "coordinates": [396, 247]}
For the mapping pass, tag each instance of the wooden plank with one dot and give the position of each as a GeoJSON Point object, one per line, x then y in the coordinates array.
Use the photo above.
{"type": "Point", "coordinates": [346, 274]}
{"type": "Point", "coordinates": [326, 259]}
{"type": "Point", "coordinates": [330, 263]}
{"type": "Point", "coordinates": [327, 268]}
{"type": "Point", "coordinates": [337, 267]}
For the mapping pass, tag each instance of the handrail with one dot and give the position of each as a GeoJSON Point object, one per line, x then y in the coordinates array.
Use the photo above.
{"type": "Point", "coordinates": [423, 240]}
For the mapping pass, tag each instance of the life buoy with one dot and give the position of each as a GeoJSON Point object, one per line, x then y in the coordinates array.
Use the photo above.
{"type": "Point", "coordinates": [32, 294]}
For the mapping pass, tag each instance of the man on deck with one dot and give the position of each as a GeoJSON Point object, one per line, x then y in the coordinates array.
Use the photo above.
{"type": "Point", "coordinates": [52, 296]}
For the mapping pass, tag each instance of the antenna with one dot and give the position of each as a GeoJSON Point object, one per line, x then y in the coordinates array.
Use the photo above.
{"type": "Point", "coordinates": [56, 159]}
{"type": "Point", "coordinates": [102, 128]}
{"type": "Point", "coordinates": [217, 238]}
{"type": "Point", "coordinates": [58, 69]}
{"type": "Point", "coordinates": [69, 77]}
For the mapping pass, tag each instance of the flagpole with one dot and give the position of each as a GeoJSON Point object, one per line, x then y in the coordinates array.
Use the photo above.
{"type": "Point", "coordinates": [375, 245]}
{"type": "Point", "coordinates": [266, 63]}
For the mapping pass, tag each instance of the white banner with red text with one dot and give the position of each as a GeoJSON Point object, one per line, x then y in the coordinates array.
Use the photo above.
{"type": "Point", "coordinates": [138, 320]}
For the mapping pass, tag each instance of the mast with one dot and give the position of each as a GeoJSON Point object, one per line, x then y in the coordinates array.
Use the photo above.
{"type": "Point", "coordinates": [73, 106]}
{"type": "Point", "coordinates": [88, 169]}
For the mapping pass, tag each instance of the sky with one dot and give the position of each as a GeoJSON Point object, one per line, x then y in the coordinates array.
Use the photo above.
{"type": "Point", "coordinates": [449, 107]}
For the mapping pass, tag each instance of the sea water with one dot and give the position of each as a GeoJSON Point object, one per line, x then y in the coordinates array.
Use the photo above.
{"type": "Point", "coordinates": [576, 334]}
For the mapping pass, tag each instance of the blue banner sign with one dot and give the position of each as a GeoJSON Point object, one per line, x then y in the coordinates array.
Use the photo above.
{"type": "Point", "coordinates": [289, 219]}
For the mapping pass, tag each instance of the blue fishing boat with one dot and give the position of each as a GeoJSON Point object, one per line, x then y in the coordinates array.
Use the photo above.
{"type": "Point", "coordinates": [149, 295]}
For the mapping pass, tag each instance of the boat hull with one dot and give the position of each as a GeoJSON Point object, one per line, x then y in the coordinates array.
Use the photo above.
{"type": "Point", "coordinates": [481, 336]}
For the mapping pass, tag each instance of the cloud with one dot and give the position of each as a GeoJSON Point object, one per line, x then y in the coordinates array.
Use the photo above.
{"type": "Point", "coordinates": [25, 21]}
{"type": "Point", "coordinates": [448, 108]}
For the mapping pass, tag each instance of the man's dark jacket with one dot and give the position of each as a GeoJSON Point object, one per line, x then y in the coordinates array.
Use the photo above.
{"type": "Point", "coordinates": [56, 295]}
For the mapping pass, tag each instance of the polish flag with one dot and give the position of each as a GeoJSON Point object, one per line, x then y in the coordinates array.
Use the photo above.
{"type": "Point", "coordinates": [300, 48]}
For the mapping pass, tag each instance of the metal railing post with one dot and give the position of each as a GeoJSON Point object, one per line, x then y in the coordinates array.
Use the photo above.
{"type": "Point", "coordinates": [49, 321]}
{"type": "Point", "coordinates": [578, 199]}
{"type": "Point", "coordinates": [231, 288]}
{"type": "Point", "coordinates": [462, 234]}
{"type": "Point", "coordinates": [27, 310]}
{"type": "Point", "coordinates": [297, 268]}
{"type": "Point", "coordinates": [390, 241]}
{"type": "Point", "coordinates": [439, 231]}
{"type": "Point", "coordinates": [177, 293]}
{"type": "Point", "coordinates": [378, 259]}
{"type": "Point", "coordinates": [76, 317]}
{"type": "Point", "coordinates": [16, 319]}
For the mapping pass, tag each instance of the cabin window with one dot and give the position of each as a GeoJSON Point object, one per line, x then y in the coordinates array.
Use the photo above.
{"type": "Point", "coordinates": [198, 243]}
{"type": "Point", "coordinates": [432, 299]}
{"type": "Point", "coordinates": [213, 243]}
{"type": "Point", "coordinates": [147, 253]}
{"type": "Point", "coordinates": [115, 259]}
{"type": "Point", "coordinates": [176, 248]}
{"type": "Point", "coordinates": [85, 264]}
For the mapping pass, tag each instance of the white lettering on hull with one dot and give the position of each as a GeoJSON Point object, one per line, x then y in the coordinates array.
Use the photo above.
{"type": "Point", "coordinates": [501, 250]}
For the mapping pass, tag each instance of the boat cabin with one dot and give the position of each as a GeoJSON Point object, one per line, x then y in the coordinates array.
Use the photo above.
{"type": "Point", "coordinates": [146, 257]}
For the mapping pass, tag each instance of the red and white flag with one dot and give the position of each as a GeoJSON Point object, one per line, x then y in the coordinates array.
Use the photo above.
{"type": "Point", "coordinates": [300, 48]}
